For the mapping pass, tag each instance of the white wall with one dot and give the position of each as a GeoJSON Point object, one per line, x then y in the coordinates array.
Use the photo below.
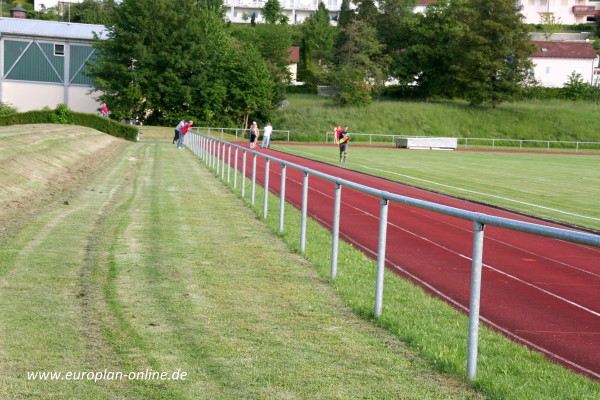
{"type": "Point", "coordinates": [26, 96]}
{"type": "Point", "coordinates": [554, 72]}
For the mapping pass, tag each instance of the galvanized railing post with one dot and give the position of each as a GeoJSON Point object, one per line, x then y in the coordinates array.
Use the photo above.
{"type": "Point", "coordinates": [282, 198]}
{"type": "Point", "coordinates": [266, 187]}
{"type": "Point", "coordinates": [223, 162]}
{"type": "Point", "coordinates": [381, 246]}
{"type": "Point", "coordinates": [243, 172]}
{"type": "Point", "coordinates": [212, 153]}
{"type": "Point", "coordinates": [235, 168]}
{"type": "Point", "coordinates": [475, 301]}
{"type": "Point", "coordinates": [229, 163]}
{"type": "Point", "coordinates": [304, 212]}
{"type": "Point", "coordinates": [335, 229]}
{"type": "Point", "coordinates": [253, 186]}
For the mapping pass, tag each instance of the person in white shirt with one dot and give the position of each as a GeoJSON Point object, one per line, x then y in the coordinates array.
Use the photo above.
{"type": "Point", "coordinates": [266, 141]}
{"type": "Point", "coordinates": [180, 125]}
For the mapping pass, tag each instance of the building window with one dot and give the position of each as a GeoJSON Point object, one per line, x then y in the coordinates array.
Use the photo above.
{"type": "Point", "coordinates": [59, 49]}
{"type": "Point", "coordinates": [547, 70]}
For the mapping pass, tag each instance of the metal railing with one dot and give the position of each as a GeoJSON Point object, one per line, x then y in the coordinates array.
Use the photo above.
{"type": "Point", "coordinates": [548, 144]}
{"type": "Point", "coordinates": [217, 155]}
{"type": "Point", "coordinates": [489, 142]}
{"type": "Point", "coordinates": [237, 132]}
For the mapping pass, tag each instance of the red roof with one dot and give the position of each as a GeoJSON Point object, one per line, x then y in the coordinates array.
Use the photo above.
{"type": "Point", "coordinates": [565, 50]}
{"type": "Point", "coordinates": [425, 2]}
{"type": "Point", "coordinates": [294, 55]}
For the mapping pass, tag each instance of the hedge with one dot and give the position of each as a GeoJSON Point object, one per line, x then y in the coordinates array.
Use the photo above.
{"type": "Point", "coordinates": [66, 116]}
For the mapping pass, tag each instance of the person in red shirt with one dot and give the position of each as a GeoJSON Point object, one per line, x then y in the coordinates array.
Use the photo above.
{"type": "Point", "coordinates": [182, 132]}
{"type": "Point", "coordinates": [336, 134]}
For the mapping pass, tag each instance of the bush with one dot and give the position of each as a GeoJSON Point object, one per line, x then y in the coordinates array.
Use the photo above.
{"type": "Point", "coordinates": [307, 88]}
{"type": "Point", "coordinates": [62, 115]}
{"type": "Point", "coordinates": [6, 109]}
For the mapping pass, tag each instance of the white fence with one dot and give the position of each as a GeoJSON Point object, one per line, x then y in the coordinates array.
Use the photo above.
{"type": "Point", "coordinates": [217, 155]}
{"type": "Point", "coordinates": [239, 132]}
{"type": "Point", "coordinates": [466, 142]}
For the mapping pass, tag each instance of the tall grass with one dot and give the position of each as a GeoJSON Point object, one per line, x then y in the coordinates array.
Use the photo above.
{"type": "Point", "coordinates": [309, 117]}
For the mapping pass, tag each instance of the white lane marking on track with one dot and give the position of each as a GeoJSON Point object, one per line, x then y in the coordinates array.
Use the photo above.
{"type": "Point", "coordinates": [577, 305]}
{"type": "Point", "coordinates": [458, 188]}
{"type": "Point", "coordinates": [516, 247]}
{"type": "Point", "coordinates": [456, 303]}
{"type": "Point", "coordinates": [466, 309]}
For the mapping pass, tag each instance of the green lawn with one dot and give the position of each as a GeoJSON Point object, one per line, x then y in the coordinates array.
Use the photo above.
{"type": "Point", "coordinates": [559, 187]}
{"type": "Point", "coordinates": [155, 267]}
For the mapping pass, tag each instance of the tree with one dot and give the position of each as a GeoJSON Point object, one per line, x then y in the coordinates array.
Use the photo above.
{"type": "Point", "coordinates": [360, 65]}
{"type": "Point", "coordinates": [319, 38]}
{"type": "Point", "coordinates": [273, 42]}
{"type": "Point", "coordinates": [93, 12]}
{"type": "Point", "coordinates": [250, 84]}
{"type": "Point", "coordinates": [160, 64]}
{"type": "Point", "coordinates": [367, 11]}
{"type": "Point", "coordinates": [346, 14]}
{"type": "Point", "coordinates": [428, 43]}
{"type": "Point", "coordinates": [495, 50]}
{"type": "Point", "coordinates": [393, 15]}
{"type": "Point", "coordinates": [550, 24]}
{"type": "Point", "coordinates": [273, 12]}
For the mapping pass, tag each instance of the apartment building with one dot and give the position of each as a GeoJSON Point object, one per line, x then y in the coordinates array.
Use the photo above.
{"type": "Point", "coordinates": [297, 11]}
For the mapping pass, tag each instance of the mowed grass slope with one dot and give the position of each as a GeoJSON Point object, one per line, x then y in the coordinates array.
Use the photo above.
{"type": "Point", "coordinates": [559, 187]}
{"type": "Point", "coordinates": [155, 266]}
{"type": "Point", "coordinates": [309, 117]}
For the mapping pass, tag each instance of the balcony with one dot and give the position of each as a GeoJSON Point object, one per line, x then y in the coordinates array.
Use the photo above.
{"type": "Point", "coordinates": [584, 10]}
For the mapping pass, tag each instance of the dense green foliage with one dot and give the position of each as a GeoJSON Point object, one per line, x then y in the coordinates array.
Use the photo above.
{"type": "Point", "coordinates": [273, 12]}
{"type": "Point", "coordinates": [62, 115]}
{"type": "Point", "coordinates": [94, 12]}
{"type": "Point", "coordinates": [7, 109]}
{"type": "Point", "coordinates": [318, 42]}
{"type": "Point", "coordinates": [161, 65]}
{"type": "Point", "coordinates": [477, 50]}
{"type": "Point", "coordinates": [360, 65]}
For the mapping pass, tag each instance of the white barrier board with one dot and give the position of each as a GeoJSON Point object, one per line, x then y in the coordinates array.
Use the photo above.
{"type": "Point", "coordinates": [428, 143]}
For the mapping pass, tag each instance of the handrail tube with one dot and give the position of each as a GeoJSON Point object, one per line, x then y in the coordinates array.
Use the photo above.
{"type": "Point", "coordinates": [480, 220]}
{"type": "Point", "coordinates": [528, 227]}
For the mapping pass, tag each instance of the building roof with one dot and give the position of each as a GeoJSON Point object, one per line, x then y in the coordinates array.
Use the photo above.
{"type": "Point", "coordinates": [294, 56]}
{"type": "Point", "coordinates": [565, 50]}
{"type": "Point", "coordinates": [50, 29]}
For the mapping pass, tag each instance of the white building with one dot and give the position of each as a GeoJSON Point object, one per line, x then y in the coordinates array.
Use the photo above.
{"type": "Point", "coordinates": [41, 4]}
{"type": "Point", "coordinates": [564, 12]}
{"type": "Point", "coordinates": [554, 62]}
{"type": "Point", "coordinates": [297, 11]}
{"type": "Point", "coordinates": [43, 63]}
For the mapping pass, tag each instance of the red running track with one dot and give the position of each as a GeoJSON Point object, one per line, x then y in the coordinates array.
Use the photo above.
{"type": "Point", "coordinates": [541, 292]}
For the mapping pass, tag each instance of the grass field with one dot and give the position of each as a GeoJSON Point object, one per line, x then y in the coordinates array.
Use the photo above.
{"type": "Point", "coordinates": [155, 267]}
{"type": "Point", "coordinates": [560, 187]}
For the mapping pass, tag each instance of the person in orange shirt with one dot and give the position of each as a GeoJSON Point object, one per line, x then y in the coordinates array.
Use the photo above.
{"type": "Point", "coordinates": [343, 141]}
